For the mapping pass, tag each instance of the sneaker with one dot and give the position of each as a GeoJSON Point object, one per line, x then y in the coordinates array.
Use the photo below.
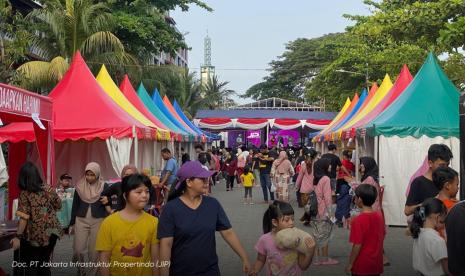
{"type": "Point", "coordinates": [251, 203]}
{"type": "Point", "coordinates": [245, 203]}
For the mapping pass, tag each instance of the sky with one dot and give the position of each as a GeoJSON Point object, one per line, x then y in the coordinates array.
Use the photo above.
{"type": "Point", "coordinates": [248, 34]}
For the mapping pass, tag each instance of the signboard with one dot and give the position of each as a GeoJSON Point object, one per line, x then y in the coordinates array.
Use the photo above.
{"type": "Point", "coordinates": [254, 137]}
{"type": "Point", "coordinates": [18, 101]}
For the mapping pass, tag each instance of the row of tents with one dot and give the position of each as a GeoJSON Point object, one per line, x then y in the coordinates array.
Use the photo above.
{"type": "Point", "coordinates": [396, 124]}
{"type": "Point", "coordinates": [95, 120]}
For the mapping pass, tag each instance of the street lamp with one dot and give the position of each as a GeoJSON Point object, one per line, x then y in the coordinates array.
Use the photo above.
{"type": "Point", "coordinates": [356, 73]}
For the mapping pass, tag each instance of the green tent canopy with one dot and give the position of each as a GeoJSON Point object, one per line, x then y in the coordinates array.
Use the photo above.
{"type": "Point", "coordinates": [145, 98]}
{"type": "Point", "coordinates": [429, 106]}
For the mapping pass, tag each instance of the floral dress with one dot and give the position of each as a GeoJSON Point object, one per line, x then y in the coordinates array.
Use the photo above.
{"type": "Point", "coordinates": [39, 209]}
{"type": "Point", "coordinates": [281, 181]}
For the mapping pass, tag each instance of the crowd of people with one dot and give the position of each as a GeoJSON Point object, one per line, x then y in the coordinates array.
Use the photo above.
{"type": "Point", "coordinates": [170, 221]}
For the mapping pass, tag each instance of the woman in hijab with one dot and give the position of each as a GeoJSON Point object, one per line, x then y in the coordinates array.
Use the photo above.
{"type": "Point", "coordinates": [281, 173]}
{"type": "Point", "coordinates": [86, 216]}
{"type": "Point", "coordinates": [321, 226]}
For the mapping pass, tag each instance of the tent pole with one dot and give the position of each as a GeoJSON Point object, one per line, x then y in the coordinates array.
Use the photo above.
{"type": "Point", "coordinates": [267, 133]}
{"type": "Point", "coordinates": [357, 161]}
{"type": "Point", "coordinates": [136, 147]}
{"type": "Point", "coordinates": [376, 150]}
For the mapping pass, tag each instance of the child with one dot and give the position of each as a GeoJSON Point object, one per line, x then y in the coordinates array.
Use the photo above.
{"type": "Point", "coordinates": [447, 182]}
{"type": "Point", "coordinates": [429, 248]}
{"type": "Point", "coordinates": [367, 235]}
{"type": "Point", "coordinates": [343, 197]}
{"type": "Point", "coordinates": [129, 236]}
{"type": "Point", "coordinates": [230, 167]}
{"type": "Point", "coordinates": [278, 216]}
{"type": "Point", "coordinates": [248, 181]}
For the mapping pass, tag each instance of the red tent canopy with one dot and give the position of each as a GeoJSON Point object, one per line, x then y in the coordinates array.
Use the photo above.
{"type": "Point", "coordinates": [19, 105]}
{"type": "Point", "coordinates": [131, 95]}
{"type": "Point", "coordinates": [84, 111]}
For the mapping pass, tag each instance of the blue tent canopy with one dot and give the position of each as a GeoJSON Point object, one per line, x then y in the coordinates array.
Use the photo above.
{"type": "Point", "coordinates": [157, 112]}
{"type": "Point", "coordinates": [159, 103]}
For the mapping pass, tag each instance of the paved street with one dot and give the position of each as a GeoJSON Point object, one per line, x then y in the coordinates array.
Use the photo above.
{"type": "Point", "coordinates": [247, 222]}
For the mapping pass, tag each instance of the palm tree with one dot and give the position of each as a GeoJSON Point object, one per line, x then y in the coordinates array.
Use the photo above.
{"type": "Point", "coordinates": [13, 41]}
{"type": "Point", "coordinates": [176, 83]}
{"type": "Point", "coordinates": [215, 94]}
{"type": "Point", "coordinates": [189, 97]}
{"type": "Point", "coordinates": [64, 29]}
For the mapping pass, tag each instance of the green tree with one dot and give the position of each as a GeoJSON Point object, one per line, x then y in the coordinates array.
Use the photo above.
{"type": "Point", "coordinates": [13, 41]}
{"type": "Point", "coordinates": [189, 97]}
{"type": "Point", "coordinates": [62, 28]}
{"type": "Point", "coordinates": [176, 83]}
{"type": "Point", "coordinates": [144, 28]}
{"type": "Point", "coordinates": [300, 63]}
{"type": "Point", "coordinates": [397, 32]}
{"type": "Point", "coordinates": [215, 93]}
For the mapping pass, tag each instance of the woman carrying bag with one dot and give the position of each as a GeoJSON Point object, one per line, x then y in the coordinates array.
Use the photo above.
{"type": "Point", "coordinates": [38, 228]}
{"type": "Point", "coordinates": [86, 216]}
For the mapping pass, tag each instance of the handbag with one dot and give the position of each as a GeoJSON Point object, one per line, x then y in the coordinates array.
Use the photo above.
{"type": "Point", "coordinates": [273, 187]}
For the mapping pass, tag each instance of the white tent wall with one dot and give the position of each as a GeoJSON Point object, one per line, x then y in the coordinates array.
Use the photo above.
{"type": "Point", "coordinates": [148, 154]}
{"type": "Point", "coordinates": [120, 152]}
{"type": "Point", "coordinates": [366, 146]}
{"type": "Point", "coordinates": [72, 157]}
{"type": "Point", "coordinates": [399, 159]}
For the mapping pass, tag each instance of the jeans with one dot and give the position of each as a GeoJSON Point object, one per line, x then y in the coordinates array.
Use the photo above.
{"type": "Point", "coordinates": [265, 182]}
{"type": "Point", "coordinates": [343, 202]}
{"type": "Point", "coordinates": [230, 182]}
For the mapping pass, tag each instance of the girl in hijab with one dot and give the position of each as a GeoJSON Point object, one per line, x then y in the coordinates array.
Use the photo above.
{"type": "Point", "coordinates": [281, 173]}
{"type": "Point", "coordinates": [321, 226]}
{"type": "Point", "coordinates": [86, 216]}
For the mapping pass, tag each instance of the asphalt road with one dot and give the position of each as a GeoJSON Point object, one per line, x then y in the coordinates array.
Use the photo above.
{"type": "Point", "coordinates": [246, 221]}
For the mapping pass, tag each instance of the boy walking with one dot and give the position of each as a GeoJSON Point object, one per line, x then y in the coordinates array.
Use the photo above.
{"type": "Point", "coordinates": [367, 235]}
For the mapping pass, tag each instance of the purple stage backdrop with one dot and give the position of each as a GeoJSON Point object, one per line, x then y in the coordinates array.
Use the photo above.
{"type": "Point", "coordinates": [254, 137]}
{"type": "Point", "coordinates": [240, 137]}
{"type": "Point", "coordinates": [284, 137]}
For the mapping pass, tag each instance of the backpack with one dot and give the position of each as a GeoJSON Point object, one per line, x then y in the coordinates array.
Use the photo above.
{"type": "Point", "coordinates": [311, 208]}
